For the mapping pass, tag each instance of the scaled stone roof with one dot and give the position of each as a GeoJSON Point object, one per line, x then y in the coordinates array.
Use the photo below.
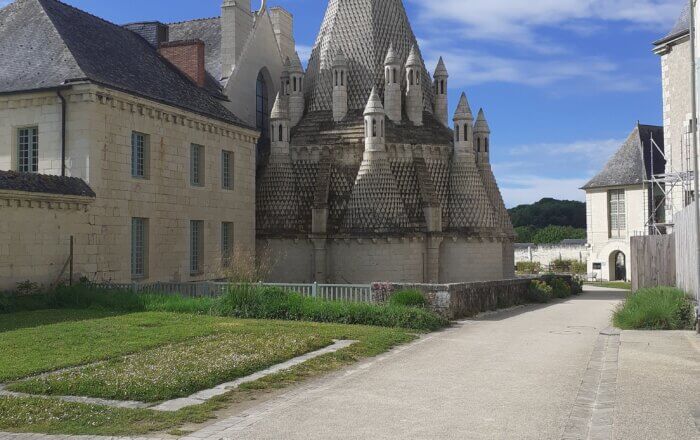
{"type": "Point", "coordinates": [681, 27]}
{"type": "Point", "coordinates": [46, 43]}
{"type": "Point", "coordinates": [43, 183]}
{"type": "Point", "coordinates": [631, 164]}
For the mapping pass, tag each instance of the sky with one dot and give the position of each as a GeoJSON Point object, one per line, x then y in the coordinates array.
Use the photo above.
{"type": "Point", "coordinates": [562, 82]}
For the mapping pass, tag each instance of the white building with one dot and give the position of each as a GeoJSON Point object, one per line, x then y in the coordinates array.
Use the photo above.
{"type": "Point", "coordinates": [619, 202]}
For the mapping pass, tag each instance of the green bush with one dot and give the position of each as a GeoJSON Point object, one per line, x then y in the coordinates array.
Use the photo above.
{"type": "Point", "coordinates": [576, 286]}
{"type": "Point", "coordinates": [528, 267]}
{"type": "Point", "coordinates": [539, 292]}
{"type": "Point", "coordinates": [579, 267]}
{"type": "Point", "coordinates": [408, 298]}
{"type": "Point", "coordinates": [560, 288]}
{"type": "Point", "coordinates": [659, 308]}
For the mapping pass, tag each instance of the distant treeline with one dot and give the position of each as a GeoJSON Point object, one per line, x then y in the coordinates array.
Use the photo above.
{"type": "Point", "coordinates": [549, 221]}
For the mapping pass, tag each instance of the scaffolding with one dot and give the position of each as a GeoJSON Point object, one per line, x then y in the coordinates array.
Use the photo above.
{"type": "Point", "coordinates": [670, 191]}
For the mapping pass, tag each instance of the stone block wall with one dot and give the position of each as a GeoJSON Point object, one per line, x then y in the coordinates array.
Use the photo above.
{"type": "Point", "coordinates": [463, 300]}
{"type": "Point", "coordinates": [545, 254]}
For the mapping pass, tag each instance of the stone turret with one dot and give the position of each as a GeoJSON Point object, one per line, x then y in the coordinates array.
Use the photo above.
{"type": "Point", "coordinates": [414, 88]}
{"type": "Point", "coordinates": [392, 86]}
{"type": "Point", "coordinates": [296, 90]}
{"type": "Point", "coordinates": [463, 129]}
{"type": "Point", "coordinates": [279, 127]}
{"type": "Point", "coordinates": [340, 86]}
{"type": "Point", "coordinates": [482, 134]}
{"type": "Point", "coordinates": [284, 89]}
{"type": "Point", "coordinates": [374, 124]}
{"type": "Point", "coordinates": [440, 80]}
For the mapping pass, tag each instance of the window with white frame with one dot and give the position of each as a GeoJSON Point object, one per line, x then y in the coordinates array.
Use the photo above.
{"type": "Point", "coordinates": [617, 213]}
{"type": "Point", "coordinates": [196, 165]}
{"type": "Point", "coordinates": [196, 246]}
{"type": "Point", "coordinates": [139, 155]}
{"type": "Point", "coordinates": [139, 248]}
{"type": "Point", "coordinates": [28, 150]}
{"type": "Point", "coordinates": [226, 244]}
{"type": "Point", "coordinates": [227, 169]}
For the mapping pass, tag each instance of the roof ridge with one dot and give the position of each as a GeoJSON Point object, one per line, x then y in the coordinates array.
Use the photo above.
{"type": "Point", "coordinates": [79, 10]}
{"type": "Point", "coordinates": [193, 20]}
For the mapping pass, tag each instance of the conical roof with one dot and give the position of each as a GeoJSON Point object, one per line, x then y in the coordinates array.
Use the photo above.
{"type": "Point", "coordinates": [414, 57]}
{"type": "Point", "coordinates": [391, 57]}
{"type": "Point", "coordinates": [295, 64]}
{"type": "Point", "coordinates": [364, 30]}
{"type": "Point", "coordinates": [281, 109]}
{"type": "Point", "coordinates": [441, 70]}
{"type": "Point", "coordinates": [481, 125]}
{"type": "Point", "coordinates": [374, 104]}
{"type": "Point", "coordinates": [340, 60]}
{"type": "Point", "coordinates": [463, 112]}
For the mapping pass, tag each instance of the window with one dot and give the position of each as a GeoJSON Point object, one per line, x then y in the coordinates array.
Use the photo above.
{"type": "Point", "coordinates": [457, 133]}
{"type": "Point", "coordinates": [197, 165]}
{"type": "Point", "coordinates": [478, 145]}
{"type": "Point", "coordinates": [281, 133]}
{"type": "Point", "coordinates": [486, 145]}
{"type": "Point", "coordinates": [28, 150]}
{"type": "Point", "coordinates": [261, 106]}
{"type": "Point", "coordinates": [139, 155]}
{"type": "Point", "coordinates": [618, 213]}
{"type": "Point", "coordinates": [410, 77]}
{"type": "Point", "coordinates": [374, 128]}
{"type": "Point", "coordinates": [466, 133]}
{"type": "Point", "coordinates": [196, 246]}
{"type": "Point", "coordinates": [227, 170]}
{"type": "Point", "coordinates": [226, 244]}
{"type": "Point", "coordinates": [393, 76]}
{"type": "Point", "coordinates": [342, 78]}
{"type": "Point", "coordinates": [336, 78]}
{"type": "Point", "coordinates": [442, 87]}
{"type": "Point", "coordinates": [139, 247]}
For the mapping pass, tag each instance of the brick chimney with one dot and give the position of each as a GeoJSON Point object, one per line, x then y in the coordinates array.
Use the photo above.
{"type": "Point", "coordinates": [188, 56]}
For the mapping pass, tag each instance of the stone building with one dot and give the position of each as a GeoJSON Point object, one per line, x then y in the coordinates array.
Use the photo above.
{"type": "Point", "coordinates": [619, 200]}
{"type": "Point", "coordinates": [365, 180]}
{"type": "Point", "coordinates": [130, 151]}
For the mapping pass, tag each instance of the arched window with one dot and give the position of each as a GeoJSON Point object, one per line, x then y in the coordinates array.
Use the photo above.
{"type": "Point", "coordinates": [281, 133]}
{"type": "Point", "coordinates": [383, 128]}
{"type": "Point", "coordinates": [442, 87]}
{"type": "Point", "coordinates": [410, 77]}
{"type": "Point", "coordinates": [486, 145]}
{"type": "Point", "coordinates": [374, 127]}
{"type": "Point", "coordinates": [342, 77]}
{"type": "Point", "coordinates": [366, 132]}
{"type": "Point", "coordinates": [457, 133]}
{"type": "Point", "coordinates": [336, 78]}
{"type": "Point", "coordinates": [262, 112]}
{"type": "Point", "coordinates": [295, 83]}
{"type": "Point", "coordinates": [466, 133]}
{"type": "Point", "coordinates": [393, 75]}
{"type": "Point", "coordinates": [478, 145]}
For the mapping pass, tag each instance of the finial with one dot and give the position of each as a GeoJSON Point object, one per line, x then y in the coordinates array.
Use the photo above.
{"type": "Point", "coordinates": [464, 111]}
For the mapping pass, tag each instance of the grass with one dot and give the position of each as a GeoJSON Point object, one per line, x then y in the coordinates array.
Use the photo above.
{"type": "Point", "coordinates": [52, 416]}
{"type": "Point", "coordinates": [611, 284]}
{"type": "Point", "coordinates": [19, 320]}
{"type": "Point", "coordinates": [661, 308]}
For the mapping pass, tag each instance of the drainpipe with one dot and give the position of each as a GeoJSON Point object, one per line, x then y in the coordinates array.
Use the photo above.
{"type": "Point", "coordinates": [696, 173]}
{"type": "Point", "coordinates": [63, 132]}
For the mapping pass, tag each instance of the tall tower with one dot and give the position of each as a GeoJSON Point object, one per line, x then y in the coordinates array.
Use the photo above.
{"type": "Point", "coordinates": [236, 25]}
{"type": "Point", "coordinates": [482, 135]}
{"type": "Point", "coordinates": [296, 90]}
{"type": "Point", "coordinates": [463, 129]}
{"type": "Point", "coordinates": [440, 82]}
{"type": "Point", "coordinates": [414, 88]}
{"type": "Point", "coordinates": [279, 128]}
{"type": "Point", "coordinates": [340, 86]}
{"type": "Point", "coordinates": [393, 101]}
{"type": "Point", "coordinates": [374, 125]}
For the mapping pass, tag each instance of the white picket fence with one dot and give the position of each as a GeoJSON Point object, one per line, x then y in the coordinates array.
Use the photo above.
{"type": "Point", "coordinates": [334, 292]}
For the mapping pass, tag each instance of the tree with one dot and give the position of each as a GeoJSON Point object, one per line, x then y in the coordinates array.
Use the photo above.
{"type": "Point", "coordinates": [555, 234]}
{"type": "Point", "coordinates": [548, 212]}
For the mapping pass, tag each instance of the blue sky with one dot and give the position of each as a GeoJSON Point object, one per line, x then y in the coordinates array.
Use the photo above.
{"type": "Point", "coordinates": [562, 81]}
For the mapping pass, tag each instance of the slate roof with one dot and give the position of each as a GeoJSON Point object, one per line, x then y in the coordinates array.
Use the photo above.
{"type": "Point", "coordinates": [42, 183]}
{"type": "Point", "coordinates": [46, 43]}
{"type": "Point", "coordinates": [631, 164]}
{"type": "Point", "coordinates": [681, 27]}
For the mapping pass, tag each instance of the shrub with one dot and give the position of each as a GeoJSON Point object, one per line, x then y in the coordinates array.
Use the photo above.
{"type": "Point", "coordinates": [659, 308]}
{"type": "Point", "coordinates": [528, 267]}
{"type": "Point", "coordinates": [560, 288]}
{"type": "Point", "coordinates": [408, 298]}
{"type": "Point", "coordinates": [579, 267]}
{"type": "Point", "coordinates": [539, 292]}
{"type": "Point", "coordinates": [576, 286]}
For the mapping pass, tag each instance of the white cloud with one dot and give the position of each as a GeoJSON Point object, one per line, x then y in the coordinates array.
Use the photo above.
{"type": "Point", "coordinates": [518, 189]}
{"type": "Point", "coordinates": [595, 153]}
{"type": "Point", "coordinates": [304, 52]}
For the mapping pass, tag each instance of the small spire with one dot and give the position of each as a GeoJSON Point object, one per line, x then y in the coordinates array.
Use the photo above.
{"type": "Point", "coordinates": [295, 64]}
{"type": "Point", "coordinates": [481, 125]}
{"type": "Point", "coordinates": [464, 111]}
{"type": "Point", "coordinates": [413, 57]}
{"type": "Point", "coordinates": [391, 57]}
{"type": "Point", "coordinates": [440, 70]}
{"type": "Point", "coordinates": [279, 110]}
{"type": "Point", "coordinates": [340, 60]}
{"type": "Point", "coordinates": [374, 104]}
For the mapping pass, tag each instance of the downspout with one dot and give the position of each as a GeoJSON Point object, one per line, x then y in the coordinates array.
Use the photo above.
{"type": "Point", "coordinates": [63, 132]}
{"type": "Point", "coordinates": [696, 173]}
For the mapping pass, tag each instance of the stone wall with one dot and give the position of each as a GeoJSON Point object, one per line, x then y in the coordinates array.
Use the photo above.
{"type": "Point", "coordinates": [463, 300]}
{"type": "Point", "coordinates": [545, 254]}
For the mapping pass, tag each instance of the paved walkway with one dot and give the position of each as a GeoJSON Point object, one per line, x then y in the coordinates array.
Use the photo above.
{"type": "Point", "coordinates": [538, 372]}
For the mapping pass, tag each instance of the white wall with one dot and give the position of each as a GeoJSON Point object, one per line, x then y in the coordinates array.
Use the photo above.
{"type": "Point", "coordinates": [545, 254]}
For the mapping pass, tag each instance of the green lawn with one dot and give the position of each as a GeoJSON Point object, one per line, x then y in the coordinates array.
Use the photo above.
{"type": "Point", "coordinates": [15, 321]}
{"type": "Point", "coordinates": [155, 355]}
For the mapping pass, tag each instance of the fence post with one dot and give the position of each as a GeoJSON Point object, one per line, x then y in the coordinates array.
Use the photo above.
{"type": "Point", "coordinates": [314, 289]}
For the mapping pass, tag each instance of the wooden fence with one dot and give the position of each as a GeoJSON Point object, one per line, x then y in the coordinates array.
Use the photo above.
{"type": "Point", "coordinates": [653, 261]}
{"type": "Point", "coordinates": [685, 233]}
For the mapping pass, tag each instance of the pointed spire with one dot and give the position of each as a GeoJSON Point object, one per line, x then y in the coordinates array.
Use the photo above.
{"type": "Point", "coordinates": [374, 104]}
{"type": "Point", "coordinates": [413, 57]}
{"type": "Point", "coordinates": [481, 125]}
{"type": "Point", "coordinates": [280, 110]}
{"type": "Point", "coordinates": [441, 70]}
{"type": "Point", "coordinates": [391, 57]}
{"type": "Point", "coordinates": [295, 64]}
{"type": "Point", "coordinates": [340, 60]}
{"type": "Point", "coordinates": [464, 111]}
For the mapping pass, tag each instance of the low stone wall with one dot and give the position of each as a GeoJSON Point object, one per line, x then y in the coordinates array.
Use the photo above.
{"type": "Point", "coordinates": [463, 300]}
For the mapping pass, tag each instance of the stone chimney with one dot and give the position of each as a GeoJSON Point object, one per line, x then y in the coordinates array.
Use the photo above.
{"type": "Point", "coordinates": [188, 56]}
{"type": "Point", "coordinates": [283, 25]}
{"type": "Point", "coordinates": [236, 25]}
